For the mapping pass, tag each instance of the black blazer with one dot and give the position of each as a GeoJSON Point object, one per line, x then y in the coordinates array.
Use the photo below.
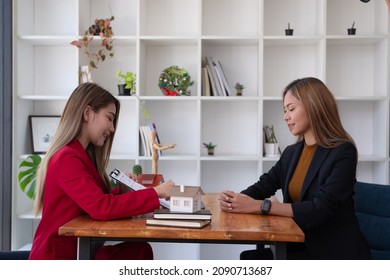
{"type": "Point", "coordinates": [325, 212]}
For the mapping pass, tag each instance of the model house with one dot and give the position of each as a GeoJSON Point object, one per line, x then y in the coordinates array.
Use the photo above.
{"type": "Point", "coordinates": [186, 199]}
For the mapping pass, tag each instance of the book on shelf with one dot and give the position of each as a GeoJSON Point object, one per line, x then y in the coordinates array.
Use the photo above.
{"type": "Point", "coordinates": [214, 77]}
{"type": "Point", "coordinates": [206, 89]}
{"type": "Point", "coordinates": [152, 127]}
{"type": "Point", "coordinates": [213, 90]}
{"type": "Point", "coordinates": [224, 79]}
{"type": "Point", "coordinates": [143, 147]}
{"type": "Point", "coordinates": [121, 177]}
{"type": "Point", "coordinates": [145, 131]}
{"type": "Point", "coordinates": [203, 214]}
{"type": "Point", "coordinates": [146, 136]}
{"type": "Point", "coordinates": [178, 223]}
{"type": "Point", "coordinates": [218, 79]}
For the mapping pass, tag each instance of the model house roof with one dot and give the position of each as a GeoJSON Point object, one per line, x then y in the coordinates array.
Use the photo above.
{"type": "Point", "coordinates": [189, 191]}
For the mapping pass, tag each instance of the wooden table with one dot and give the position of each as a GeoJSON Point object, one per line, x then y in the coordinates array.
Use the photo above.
{"type": "Point", "coordinates": [229, 228]}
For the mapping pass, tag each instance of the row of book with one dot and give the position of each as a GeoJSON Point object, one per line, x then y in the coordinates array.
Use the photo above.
{"type": "Point", "coordinates": [145, 137]}
{"type": "Point", "coordinates": [214, 81]}
{"type": "Point", "coordinates": [165, 217]}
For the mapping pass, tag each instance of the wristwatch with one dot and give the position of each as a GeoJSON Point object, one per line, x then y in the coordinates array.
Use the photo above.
{"type": "Point", "coordinates": [265, 206]}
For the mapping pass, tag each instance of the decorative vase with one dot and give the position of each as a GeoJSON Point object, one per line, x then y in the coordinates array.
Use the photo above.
{"type": "Point", "coordinates": [239, 92]}
{"type": "Point", "coordinates": [289, 32]}
{"type": "Point", "coordinates": [123, 90]}
{"type": "Point", "coordinates": [351, 31]}
{"type": "Point", "coordinates": [210, 151]}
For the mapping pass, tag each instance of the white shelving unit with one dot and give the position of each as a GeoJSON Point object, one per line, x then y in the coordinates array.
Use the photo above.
{"type": "Point", "coordinates": [247, 36]}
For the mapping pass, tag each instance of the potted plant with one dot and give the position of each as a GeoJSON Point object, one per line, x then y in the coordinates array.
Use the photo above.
{"type": "Point", "coordinates": [352, 30]}
{"type": "Point", "coordinates": [289, 31]}
{"type": "Point", "coordinates": [271, 144]}
{"type": "Point", "coordinates": [137, 169]}
{"type": "Point", "coordinates": [28, 173]}
{"type": "Point", "coordinates": [103, 29]}
{"type": "Point", "coordinates": [210, 148]}
{"type": "Point", "coordinates": [239, 87]}
{"type": "Point", "coordinates": [126, 82]}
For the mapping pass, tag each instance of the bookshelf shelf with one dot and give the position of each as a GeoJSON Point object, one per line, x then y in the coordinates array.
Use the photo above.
{"type": "Point", "coordinates": [247, 37]}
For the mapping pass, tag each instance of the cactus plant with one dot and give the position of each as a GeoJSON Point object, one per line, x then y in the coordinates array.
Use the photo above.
{"type": "Point", "coordinates": [137, 169]}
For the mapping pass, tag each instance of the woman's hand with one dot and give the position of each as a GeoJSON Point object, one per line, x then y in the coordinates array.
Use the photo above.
{"type": "Point", "coordinates": [230, 201]}
{"type": "Point", "coordinates": [164, 190]}
{"type": "Point", "coordinates": [131, 176]}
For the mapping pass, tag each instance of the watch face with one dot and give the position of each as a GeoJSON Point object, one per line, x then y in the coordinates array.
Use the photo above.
{"type": "Point", "coordinates": [266, 206]}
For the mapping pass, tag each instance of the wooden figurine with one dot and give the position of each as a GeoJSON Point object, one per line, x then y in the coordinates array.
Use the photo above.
{"type": "Point", "coordinates": [155, 148]}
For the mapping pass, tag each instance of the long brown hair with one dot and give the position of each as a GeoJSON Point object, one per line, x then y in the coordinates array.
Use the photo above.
{"type": "Point", "coordinates": [69, 129]}
{"type": "Point", "coordinates": [321, 108]}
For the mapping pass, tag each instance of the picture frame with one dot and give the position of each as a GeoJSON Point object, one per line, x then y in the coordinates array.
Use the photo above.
{"type": "Point", "coordinates": [42, 132]}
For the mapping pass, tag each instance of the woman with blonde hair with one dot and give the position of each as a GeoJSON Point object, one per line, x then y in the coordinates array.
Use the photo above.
{"type": "Point", "coordinates": [317, 176]}
{"type": "Point", "coordinates": [72, 179]}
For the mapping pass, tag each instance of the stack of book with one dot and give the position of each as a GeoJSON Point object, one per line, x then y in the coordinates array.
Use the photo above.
{"type": "Point", "coordinates": [144, 131]}
{"type": "Point", "coordinates": [214, 81]}
{"type": "Point", "coordinates": [165, 217]}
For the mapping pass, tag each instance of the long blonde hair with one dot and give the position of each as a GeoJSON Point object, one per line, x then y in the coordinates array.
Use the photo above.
{"type": "Point", "coordinates": [69, 129]}
{"type": "Point", "coordinates": [321, 108]}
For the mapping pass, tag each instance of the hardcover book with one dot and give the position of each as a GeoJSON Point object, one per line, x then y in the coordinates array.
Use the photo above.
{"type": "Point", "coordinates": [150, 180]}
{"type": "Point", "coordinates": [178, 223]}
{"type": "Point", "coordinates": [203, 214]}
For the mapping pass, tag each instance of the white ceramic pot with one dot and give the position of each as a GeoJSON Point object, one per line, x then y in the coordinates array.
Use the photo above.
{"type": "Point", "coordinates": [271, 149]}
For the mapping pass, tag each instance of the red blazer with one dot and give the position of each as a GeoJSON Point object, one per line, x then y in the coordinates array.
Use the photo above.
{"type": "Point", "coordinates": [73, 188]}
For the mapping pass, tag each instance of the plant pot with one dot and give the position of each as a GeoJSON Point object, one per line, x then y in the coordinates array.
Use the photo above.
{"type": "Point", "coordinates": [271, 149]}
{"type": "Point", "coordinates": [351, 31]}
{"type": "Point", "coordinates": [210, 151]}
{"type": "Point", "coordinates": [239, 92]}
{"type": "Point", "coordinates": [124, 91]}
{"type": "Point", "coordinates": [289, 32]}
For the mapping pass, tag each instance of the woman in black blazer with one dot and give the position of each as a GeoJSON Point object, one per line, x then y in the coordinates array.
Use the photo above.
{"type": "Point", "coordinates": [317, 177]}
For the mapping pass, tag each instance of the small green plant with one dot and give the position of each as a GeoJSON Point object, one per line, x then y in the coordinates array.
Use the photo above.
{"type": "Point", "coordinates": [272, 137]}
{"type": "Point", "coordinates": [28, 174]}
{"type": "Point", "coordinates": [145, 111]}
{"type": "Point", "coordinates": [353, 25]}
{"type": "Point", "coordinates": [239, 86]}
{"type": "Point", "coordinates": [137, 169]}
{"type": "Point", "coordinates": [210, 145]}
{"type": "Point", "coordinates": [127, 78]}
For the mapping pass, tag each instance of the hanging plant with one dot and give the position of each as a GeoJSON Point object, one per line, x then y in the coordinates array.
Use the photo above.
{"type": "Point", "coordinates": [103, 29]}
{"type": "Point", "coordinates": [175, 81]}
{"type": "Point", "coordinates": [28, 174]}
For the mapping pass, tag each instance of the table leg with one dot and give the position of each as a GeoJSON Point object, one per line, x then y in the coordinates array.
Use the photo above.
{"type": "Point", "coordinates": [279, 250]}
{"type": "Point", "coordinates": [84, 248]}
